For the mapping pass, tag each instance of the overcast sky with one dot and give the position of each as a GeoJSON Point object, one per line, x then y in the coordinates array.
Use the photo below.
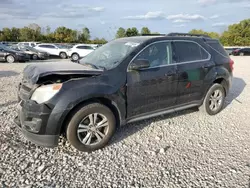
{"type": "Point", "coordinates": [103, 17]}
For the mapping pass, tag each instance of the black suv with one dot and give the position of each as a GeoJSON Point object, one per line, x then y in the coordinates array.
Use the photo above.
{"type": "Point", "coordinates": [123, 81]}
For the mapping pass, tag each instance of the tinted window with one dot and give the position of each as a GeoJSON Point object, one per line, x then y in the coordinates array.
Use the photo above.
{"type": "Point", "coordinates": [189, 51]}
{"type": "Point", "coordinates": [46, 46]}
{"type": "Point", "coordinates": [157, 54]}
{"type": "Point", "coordinates": [85, 47]}
{"type": "Point", "coordinates": [42, 46]}
{"type": "Point", "coordinates": [216, 46]}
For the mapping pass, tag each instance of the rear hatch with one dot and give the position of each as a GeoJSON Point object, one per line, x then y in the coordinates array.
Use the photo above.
{"type": "Point", "coordinates": [219, 54]}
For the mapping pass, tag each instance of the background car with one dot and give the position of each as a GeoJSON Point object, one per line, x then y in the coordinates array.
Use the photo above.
{"type": "Point", "coordinates": [53, 49]}
{"type": "Point", "coordinates": [9, 55]}
{"type": "Point", "coordinates": [241, 52]}
{"type": "Point", "coordinates": [230, 50]}
{"type": "Point", "coordinates": [79, 51]}
{"type": "Point", "coordinates": [31, 44]}
{"type": "Point", "coordinates": [35, 54]}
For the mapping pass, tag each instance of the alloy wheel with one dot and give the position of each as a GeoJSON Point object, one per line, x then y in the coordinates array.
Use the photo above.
{"type": "Point", "coordinates": [92, 129]}
{"type": "Point", "coordinates": [215, 100]}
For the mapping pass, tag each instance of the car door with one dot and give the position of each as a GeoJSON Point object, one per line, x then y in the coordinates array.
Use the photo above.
{"type": "Point", "coordinates": [84, 50]}
{"type": "Point", "coordinates": [193, 63]}
{"type": "Point", "coordinates": [2, 52]}
{"type": "Point", "coordinates": [152, 89]}
{"type": "Point", "coordinates": [53, 50]}
{"type": "Point", "coordinates": [247, 51]}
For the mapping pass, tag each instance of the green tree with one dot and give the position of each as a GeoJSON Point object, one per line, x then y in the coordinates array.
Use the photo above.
{"type": "Point", "coordinates": [99, 41]}
{"type": "Point", "coordinates": [121, 32]}
{"type": "Point", "coordinates": [63, 34]}
{"type": "Point", "coordinates": [84, 36]}
{"type": "Point", "coordinates": [201, 32]}
{"type": "Point", "coordinates": [237, 34]}
{"type": "Point", "coordinates": [145, 31]}
{"type": "Point", "coordinates": [132, 32]}
{"type": "Point", "coordinates": [15, 33]}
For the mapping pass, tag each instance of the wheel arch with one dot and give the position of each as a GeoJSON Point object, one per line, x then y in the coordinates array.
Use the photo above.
{"type": "Point", "coordinates": [102, 100]}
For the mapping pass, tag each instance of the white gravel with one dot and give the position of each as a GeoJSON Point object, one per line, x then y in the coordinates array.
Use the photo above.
{"type": "Point", "coordinates": [188, 149]}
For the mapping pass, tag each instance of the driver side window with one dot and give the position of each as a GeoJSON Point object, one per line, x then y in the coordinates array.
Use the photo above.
{"type": "Point", "coordinates": [158, 54]}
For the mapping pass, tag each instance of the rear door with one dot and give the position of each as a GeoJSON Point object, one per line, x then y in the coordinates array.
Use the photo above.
{"type": "Point", "coordinates": [193, 63]}
{"type": "Point", "coordinates": [153, 88]}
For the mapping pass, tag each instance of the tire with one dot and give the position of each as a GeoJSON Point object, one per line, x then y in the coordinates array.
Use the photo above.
{"type": "Point", "coordinates": [210, 100]}
{"type": "Point", "coordinates": [63, 55]}
{"type": "Point", "coordinates": [34, 57]}
{"type": "Point", "coordinates": [242, 54]}
{"type": "Point", "coordinates": [77, 134]}
{"type": "Point", "coordinates": [75, 57]}
{"type": "Point", "coordinates": [10, 59]}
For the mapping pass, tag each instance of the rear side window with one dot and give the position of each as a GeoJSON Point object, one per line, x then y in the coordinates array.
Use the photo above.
{"type": "Point", "coordinates": [85, 47]}
{"type": "Point", "coordinates": [216, 46]}
{"type": "Point", "coordinates": [186, 51]}
{"type": "Point", "coordinates": [42, 46]}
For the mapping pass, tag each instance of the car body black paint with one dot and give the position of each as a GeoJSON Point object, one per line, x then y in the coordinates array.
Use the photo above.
{"type": "Point", "coordinates": [18, 55]}
{"type": "Point", "coordinates": [135, 94]}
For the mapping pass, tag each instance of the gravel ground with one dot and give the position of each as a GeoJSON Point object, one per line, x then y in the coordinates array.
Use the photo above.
{"type": "Point", "coordinates": [187, 149]}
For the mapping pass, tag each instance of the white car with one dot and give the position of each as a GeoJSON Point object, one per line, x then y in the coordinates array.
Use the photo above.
{"type": "Point", "coordinates": [79, 51]}
{"type": "Point", "coordinates": [53, 49]}
{"type": "Point", "coordinates": [31, 44]}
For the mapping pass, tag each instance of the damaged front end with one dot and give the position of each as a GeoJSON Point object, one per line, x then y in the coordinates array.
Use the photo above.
{"type": "Point", "coordinates": [41, 83]}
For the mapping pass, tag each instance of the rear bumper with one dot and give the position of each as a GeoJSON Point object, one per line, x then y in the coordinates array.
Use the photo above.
{"type": "Point", "coordinates": [43, 56]}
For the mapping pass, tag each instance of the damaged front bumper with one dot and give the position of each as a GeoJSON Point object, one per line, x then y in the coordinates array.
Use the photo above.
{"type": "Point", "coordinates": [32, 121]}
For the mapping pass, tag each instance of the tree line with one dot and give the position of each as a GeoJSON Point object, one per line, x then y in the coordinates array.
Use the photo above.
{"type": "Point", "coordinates": [34, 32]}
{"type": "Point", "coordinates": [237, 34]}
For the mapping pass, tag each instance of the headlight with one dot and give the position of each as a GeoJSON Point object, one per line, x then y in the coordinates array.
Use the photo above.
{"type": "Point", "coordinates": [45, 93]}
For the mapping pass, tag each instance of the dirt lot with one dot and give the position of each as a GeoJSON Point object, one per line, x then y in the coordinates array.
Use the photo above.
{"type": "Point", "coordinates": [188, 149]}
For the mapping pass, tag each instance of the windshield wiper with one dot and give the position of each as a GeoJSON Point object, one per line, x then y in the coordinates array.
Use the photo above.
{"type": "Point", "coordinates": [95, 66]}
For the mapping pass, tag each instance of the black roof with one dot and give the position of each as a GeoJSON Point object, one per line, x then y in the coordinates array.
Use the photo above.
{"type": "Point", "coordinates": [171, 36]}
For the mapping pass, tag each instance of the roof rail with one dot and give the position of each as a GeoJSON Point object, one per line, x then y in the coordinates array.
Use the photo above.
{"type": "Point", "coordinates": [153, 34]}
{"type": "Point", "coordinates": [188, 34]}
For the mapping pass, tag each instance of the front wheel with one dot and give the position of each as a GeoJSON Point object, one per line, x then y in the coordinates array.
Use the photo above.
{"type": "Point", "coordinates": [242, 54]}
{"type": "Point", "coordinates": [91, 127]}
{"type": "Point", "coordinates": [63, 55]}
{"type": "Point", "coordinates": [214, 100]}
{"type": "Point", "coordinates": [10, 59]}
{"type": "Point", "coordinates": [75, 57]}
{"type": "Point", "coordinates": [34, 57]}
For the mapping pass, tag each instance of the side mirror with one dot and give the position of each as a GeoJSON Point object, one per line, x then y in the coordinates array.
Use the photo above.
{"type": "Point", "coordinates": [139, 64]}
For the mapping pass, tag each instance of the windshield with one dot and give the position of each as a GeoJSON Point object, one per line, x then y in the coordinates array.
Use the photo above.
{"type": "Point", "coordinates": [4, 47]}
{"type": "Point", "coordinates": [109, 55]}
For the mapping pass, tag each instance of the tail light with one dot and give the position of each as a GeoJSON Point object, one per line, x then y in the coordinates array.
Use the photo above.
{"type": "Point", "coordinates": [231, 64]}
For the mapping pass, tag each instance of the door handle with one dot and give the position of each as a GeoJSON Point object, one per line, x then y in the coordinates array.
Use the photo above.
{"type": "Point", "coordinates": [206, 66]}
{"type": "Point", "coordinates": [169, 74]}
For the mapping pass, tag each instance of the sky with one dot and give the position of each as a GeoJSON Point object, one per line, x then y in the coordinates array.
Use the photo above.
{"type": "Point", "coordinates": [104, 17]}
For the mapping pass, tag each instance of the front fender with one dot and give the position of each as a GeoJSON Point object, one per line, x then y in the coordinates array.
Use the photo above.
{"type": "Point", "coordinates": [71, 97]}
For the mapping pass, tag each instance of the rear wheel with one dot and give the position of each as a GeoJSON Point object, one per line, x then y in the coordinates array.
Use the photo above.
{"type": "Point", "coordinates": [214, 100]}
{"type": "Point", "coordinates": [34, 57]}
{"type": "Point", "coordinates": [63, 55]}
{"type": "Point", "coordinates": [75, 57]}
{"type": "Point", "coordinates": [91, 127]}
{"type": "Point", "coordinates": [10, 59]}
{"type": "Point", "coordinates": [242, 54]}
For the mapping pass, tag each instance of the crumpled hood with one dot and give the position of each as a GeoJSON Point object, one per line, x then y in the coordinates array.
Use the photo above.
{"type": "Point", "coordinates": [33, 72]}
